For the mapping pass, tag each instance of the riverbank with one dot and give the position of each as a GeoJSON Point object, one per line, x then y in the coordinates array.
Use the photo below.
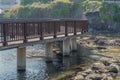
{"type": "Point", "coordinates": [105, 50]}
{"type": "Point", "coordinates": [97, 49]}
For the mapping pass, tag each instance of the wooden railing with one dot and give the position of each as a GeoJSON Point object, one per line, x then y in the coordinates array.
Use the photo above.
{"type": "Point", "coordinates": [23, 29]}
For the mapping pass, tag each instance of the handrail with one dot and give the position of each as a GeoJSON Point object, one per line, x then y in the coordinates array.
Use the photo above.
{"type": "Point", "coordinates": [39, 20]}
{"type": "Point", "coordinates": [24, 29]}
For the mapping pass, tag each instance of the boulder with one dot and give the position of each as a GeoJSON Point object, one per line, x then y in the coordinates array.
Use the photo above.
{"type": "Point", "coordinates": [114, 68]}
{"type": "Point", "coordinates": [88, 71]}
{"type": "Point", "coordinates": [97, 66]}
{"type": "Point", "coordinates": [109, 78]}
{"type": "Point", "coordinates": [106, 61]}
{"type": "Point", "coordinates": [109, 61]}
{"type": "Point", "coordinates": [82, 73]}
{"type": "Point", "coordinates": [100, 42]}
{"type": "Point", "coordinates": [116, 60]}
{"type": "Point", "coordinates": [118, 64]}
{"type": "Point", "coordinates": [94, 77]}
{"type": "Point", "coordinates": [79, 77]}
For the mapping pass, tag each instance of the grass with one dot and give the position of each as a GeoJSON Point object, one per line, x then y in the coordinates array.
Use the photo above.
{"type": "Point", "coordinates": [109, 51]}
{"type": "Point", "coordinates": [118, 78]}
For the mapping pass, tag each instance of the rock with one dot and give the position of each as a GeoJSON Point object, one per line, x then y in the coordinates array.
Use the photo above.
{"type": "Point", "coordinates": [109, 78]}
{"type": "Point", "coordinates": [88, 71]}
{"type": "Point", "coordinates": [106, 69]}
{"type": "Point", "coordinates": [114, 68]}
{"type": "Point", "coordinates": [113, 74]}
{"type": "Point", "coordinates": [104, 75]}
{"type": "Point", "coordinates": [79, 77]}
{"type": "Point", "coordinates": [116, 60]}
{"type": "Point", "coordinates": [109, 61]}
{"type": "Point", "coordinates": [100, 47]}
{"type": "Point", "coordinates": [82, 73]}
{"type": "Point", "coordinates": [100, 42]}
{"type": "Point", "coordinates": [118, 64]}
{"type": "Point", "coordinates": [106, 61]}
{"type": "Point", "coordinates": [94, 77]}
{"type": "Point", "coordinates": [117, 41]}
{"type": "Point", "coordinates": [98, 66]}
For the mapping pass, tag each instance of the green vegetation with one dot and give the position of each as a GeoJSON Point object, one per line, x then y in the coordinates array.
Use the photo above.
{"type": "Point", "coordinates": [109, 12]}
{"type": "Point", "coordinates": [69, 72]}
{"type": "Point", "coordinates": [53, 9]}
{"type": "Point", "coordinates": [109, 51]}
{"type": "Point", "coordinates": [118, 78]}
{"type": "Point", "coordinates": [63, 75]}
{"type": "Point", "coordinates": [25, 2]}
{"type": "Point", "coordinates": [91, 6]}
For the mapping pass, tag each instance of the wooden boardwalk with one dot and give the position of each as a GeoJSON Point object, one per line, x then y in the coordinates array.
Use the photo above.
{"type": "Point", "coordinates": [21, 32]}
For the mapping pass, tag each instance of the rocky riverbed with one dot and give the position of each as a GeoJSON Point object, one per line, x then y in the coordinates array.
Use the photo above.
{"type": "Point", "coordinates": [105, 69]}
{"type": "Point", "coordinates": [106, 54]}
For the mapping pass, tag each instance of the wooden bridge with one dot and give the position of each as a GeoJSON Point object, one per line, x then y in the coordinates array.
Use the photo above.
{"type": "Point", "coordinates": [15, 33]}
{"type": "Point", "coordinates": [18, 33]}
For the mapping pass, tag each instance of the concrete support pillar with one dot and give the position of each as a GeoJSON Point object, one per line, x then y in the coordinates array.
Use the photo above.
{"type": "Point", "coordinates": [73, 43]}
{"type": "Point", "coordinates": [48, 51]}
{"type": "Point", "coordinates": [21, 59]}
{"type": "Point", "coordinates": [66, 47]}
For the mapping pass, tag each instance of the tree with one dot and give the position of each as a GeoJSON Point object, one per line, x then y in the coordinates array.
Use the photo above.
{"type": "Point", "coordinates": [25, 2]}
{"type": "Point", "coordinates": [92, 5]}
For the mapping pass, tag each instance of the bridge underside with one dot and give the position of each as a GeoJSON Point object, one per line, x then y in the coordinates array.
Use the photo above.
{"type": "Point", "coordinates": [30, 42]}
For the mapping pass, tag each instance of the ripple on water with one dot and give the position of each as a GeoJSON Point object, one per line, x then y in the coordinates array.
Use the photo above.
{"type": "Point", "coordinates": [37, 69]}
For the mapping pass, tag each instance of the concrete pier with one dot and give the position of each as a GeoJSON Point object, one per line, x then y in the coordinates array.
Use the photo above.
{"type": "Point", "coordinates": [66, 47]}
{"type": "Point", "coordinates": [21, 59]}
{"type": "Point", "coordinates": [48, 51]}
{"type": "Point", "coordinates": [73, 43]}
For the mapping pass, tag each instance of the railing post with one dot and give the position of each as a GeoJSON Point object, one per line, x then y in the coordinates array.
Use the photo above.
{"type": "Point", "coordinates": [41, 33]}
{"type": "Point", "coordinates": [83, 27]}
{"type": "Point", "coordinates": [54, 29]}
{"type": "Point", "coordinates": [4, 35]}
{"type": "Point", "coordinates": [75, 28]}
{"type": "Point", "coordinates": [66, 29]}
{"type": "Point", "coordinates": [25, 33]}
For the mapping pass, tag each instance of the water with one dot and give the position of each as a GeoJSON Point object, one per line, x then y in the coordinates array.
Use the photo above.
{"type": "Point", "coordinates": [37, 68]}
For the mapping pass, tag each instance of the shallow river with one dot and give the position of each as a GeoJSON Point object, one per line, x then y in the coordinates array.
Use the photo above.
{"type": "Point", "coordinates": [37, 68]}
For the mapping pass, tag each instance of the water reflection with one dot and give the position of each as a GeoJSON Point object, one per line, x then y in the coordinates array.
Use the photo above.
{"type": "Point", "coordinates": [66, 62]}
{"type": "Point", "coordinates": [71, 60]}
{"type": "Point", "coordinates": [36, 68]}
{"type": "Point", "coordinates": [21, 75]}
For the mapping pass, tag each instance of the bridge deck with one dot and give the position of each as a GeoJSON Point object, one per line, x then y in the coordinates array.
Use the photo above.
{"type": "Point", "coordinates": [15, 33]}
